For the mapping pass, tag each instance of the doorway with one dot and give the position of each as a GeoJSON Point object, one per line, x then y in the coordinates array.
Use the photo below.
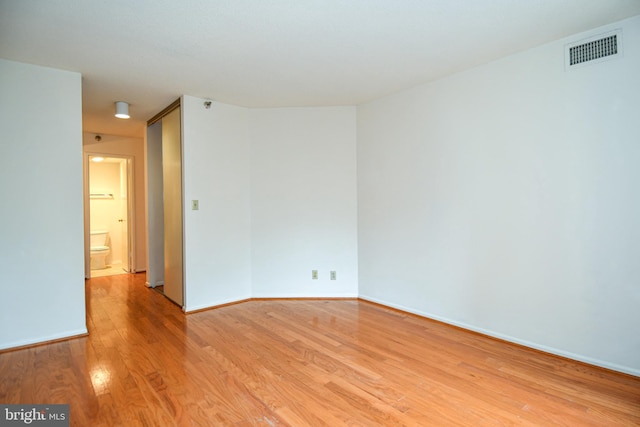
{"type": "Point", "coordinates": [109, 201]}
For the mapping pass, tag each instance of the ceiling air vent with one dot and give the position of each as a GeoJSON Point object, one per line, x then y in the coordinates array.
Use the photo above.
{"type": "Point", "coordinates": [594, 49]}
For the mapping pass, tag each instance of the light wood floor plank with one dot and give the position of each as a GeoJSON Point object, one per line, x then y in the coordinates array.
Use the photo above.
{"type": "Point", "coordinates": [301, 363]}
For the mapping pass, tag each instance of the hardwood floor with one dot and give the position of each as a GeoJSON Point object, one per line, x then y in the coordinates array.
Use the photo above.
{"type": "Point", "coordinates": [300, 363]}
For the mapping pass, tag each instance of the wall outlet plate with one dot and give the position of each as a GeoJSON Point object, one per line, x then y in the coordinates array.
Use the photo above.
{"type": "Point", "coordinates": [334, 275]}
{"type": "Point", "coordinates": [314, 274]}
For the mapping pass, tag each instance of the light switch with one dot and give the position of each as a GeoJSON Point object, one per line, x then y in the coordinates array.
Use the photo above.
{"type": "Point", "coordinates": [194, 205]}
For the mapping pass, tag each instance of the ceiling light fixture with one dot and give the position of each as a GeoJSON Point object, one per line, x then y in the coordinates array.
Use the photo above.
{"type": "Point", "coordinates": [97, 159]}
{"type": "Point", "coordinates": [122, 110]}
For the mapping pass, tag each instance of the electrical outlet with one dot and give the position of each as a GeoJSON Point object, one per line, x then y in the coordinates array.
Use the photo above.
{"type": "Point", "coordinates": [334, 275]}
{"type": "Point", "coordinates": [314, 274]}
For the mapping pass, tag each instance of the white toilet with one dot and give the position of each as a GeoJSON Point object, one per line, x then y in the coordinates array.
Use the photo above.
{"type": "Point", "coordinates": [99, 249]}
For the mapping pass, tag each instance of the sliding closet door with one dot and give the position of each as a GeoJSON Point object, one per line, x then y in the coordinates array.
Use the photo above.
{"type": "Point", "coordinates": [172, 187]}
{"type": "Point", "coordinates": [155, 210]}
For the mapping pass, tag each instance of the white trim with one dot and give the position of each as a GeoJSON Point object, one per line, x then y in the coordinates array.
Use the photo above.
{"type": "Point", "coordinates": [158, 283]}
{"type": "Point", "coordinates": [255, 297]}
{"type": "Point", "coordinates": [551, 350]}
{"type": "Point", "coordinates": [303, 296]}
{"type": "Point", "coordinates": [200, 307]}
{"type": "Point", "coordinates": [44, 340]}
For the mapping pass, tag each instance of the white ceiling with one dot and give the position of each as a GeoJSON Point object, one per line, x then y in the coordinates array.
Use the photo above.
{"type": "Point", "coordinates": [260, 53]}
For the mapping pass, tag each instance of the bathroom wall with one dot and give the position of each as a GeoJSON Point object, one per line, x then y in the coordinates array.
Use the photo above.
{"type": "Point", "coordinates": [104, 177]}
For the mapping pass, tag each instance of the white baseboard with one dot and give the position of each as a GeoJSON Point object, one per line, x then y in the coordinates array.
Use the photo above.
{"type": "Point", "coordinates": [536, 346]}
{"type": "Point", "coordinates": [201, 307]}
{"type": "Point", "coordinates": [299, 296]}
{"type": "Point", "coordinates": [45, 339]}
{"type": "Point", "coordinates": [158, 283]}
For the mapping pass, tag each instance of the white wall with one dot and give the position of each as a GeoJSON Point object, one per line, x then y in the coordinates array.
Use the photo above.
{"type": "Point", "coordinates": [303, 201]}
{"type": "Point", "coordinates": [277, 198]}
{"type": "Point", "coordinates": [133, 147]}
{"type": "Point", "coordinates": [41, 205]}
{"type": "Point", "coordinates": [505, 199]}
{"type": "Point", "coordinates": [216, 173]}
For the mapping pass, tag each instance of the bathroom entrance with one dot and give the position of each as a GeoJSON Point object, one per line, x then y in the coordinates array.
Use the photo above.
{"type": "Point", "coordinates": [110, 214]}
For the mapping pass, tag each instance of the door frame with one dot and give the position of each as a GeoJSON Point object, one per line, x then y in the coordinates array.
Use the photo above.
{"type": "Point", "coordinates": [130, 257]}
